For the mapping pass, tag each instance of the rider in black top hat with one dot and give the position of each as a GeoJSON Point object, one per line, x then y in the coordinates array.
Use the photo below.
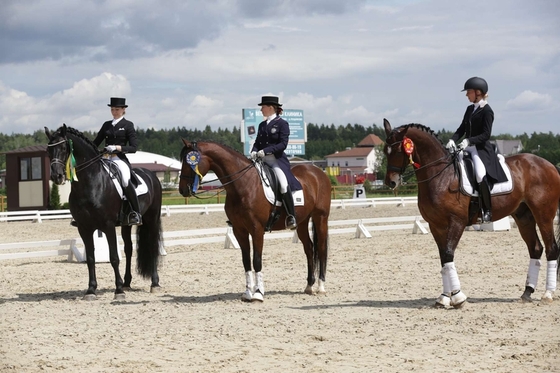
{"type": "Point", "coordinates": [120, 138]}
{"type": "Point", "coordinates": [272, 139]}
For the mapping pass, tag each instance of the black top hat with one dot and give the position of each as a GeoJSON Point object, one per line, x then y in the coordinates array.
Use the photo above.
{"type": "Point", "coordinates": [270, 100]}
{"type": "Point", "coordinates": [118, 102]}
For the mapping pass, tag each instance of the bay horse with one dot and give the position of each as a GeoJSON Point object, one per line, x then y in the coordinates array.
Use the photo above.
{"type": "Point", "coordinates": [248, 209]}
{"type": "Point", "coordinates": [95, 204]}
{"type": "Point", "coordinates": [533, 202]}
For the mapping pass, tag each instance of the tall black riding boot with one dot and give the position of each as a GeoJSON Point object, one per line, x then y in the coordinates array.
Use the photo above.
{"type": "Point", "coordinates": [288, 201]}
{"type": "Point", "coordinates": [486, 201]}
{"type": "Point", "coordinates": [134, 218]}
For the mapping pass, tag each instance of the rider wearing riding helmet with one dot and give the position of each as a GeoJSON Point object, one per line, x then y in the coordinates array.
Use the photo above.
{"type": "Point", "coordinates": [476, 128]}
{"type": "Point", "coordinates": [272, 139]}
{"type": "Point", "coordinates": [120, 138]}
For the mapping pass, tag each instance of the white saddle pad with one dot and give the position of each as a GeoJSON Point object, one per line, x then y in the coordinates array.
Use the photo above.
{"type": "Point", "coordinates": [142, 188]}
{"type": "Point", "coordinates": [499, 188]}
{"type": "Point", "coordinates": [269, 193]}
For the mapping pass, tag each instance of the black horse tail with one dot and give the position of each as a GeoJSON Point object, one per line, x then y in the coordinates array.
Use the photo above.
{"type": "Point", "coordinates": [148, 242]}
{"type": "Point", "coordinates": [316, 253]}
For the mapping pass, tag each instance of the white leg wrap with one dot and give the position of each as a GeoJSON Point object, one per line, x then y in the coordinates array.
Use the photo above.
{"type": "Point", "coordinates": [533, 273]}
{"type": "Point", "coordinates": [450, 271]}
{"type": "Point", "coordinates": [551, 268]}
{"type": "Point", "coordinates": [260, 283]}
{"type": "Point", "coordinates": [249, 285]}
{"type": "Point", "coordinates": [250, 282]}
{"type": "Point", "coordinates": [445, 280]}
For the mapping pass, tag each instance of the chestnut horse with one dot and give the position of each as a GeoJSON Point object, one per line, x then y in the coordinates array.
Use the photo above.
{"type": "Point", "coordinates": [95, 204]}
{"type": "Point", "coordinates": [248, 209]}
{"type": "Point", "coordinates": [533, 202]}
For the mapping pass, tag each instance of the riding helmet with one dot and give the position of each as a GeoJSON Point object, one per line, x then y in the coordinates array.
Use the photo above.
{"type": "Point", "coordinates": [476, 83]}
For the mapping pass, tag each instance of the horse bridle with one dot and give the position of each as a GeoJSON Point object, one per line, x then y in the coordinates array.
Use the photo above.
{"type": "Point", "coordinates": [240, 173]}
{"type": "Point", "coordinates": [401, 171]}
{"type": "Point", "coordinates": [79, 167]}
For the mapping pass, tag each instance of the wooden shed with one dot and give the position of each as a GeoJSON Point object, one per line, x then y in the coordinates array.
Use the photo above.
{"type": "Point", "coordinates": [27, 178]}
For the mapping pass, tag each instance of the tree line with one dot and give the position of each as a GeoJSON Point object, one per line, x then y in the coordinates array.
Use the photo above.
{"type": "Point", "coordinates": [322, 140]}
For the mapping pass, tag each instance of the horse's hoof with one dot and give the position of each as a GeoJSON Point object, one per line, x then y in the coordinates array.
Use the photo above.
{"type": "Point", "coordinates": [443, 301]}
{"type": "Point", "coordinates": [127, 288]}
{"type": "Point", "coordinates": [526, 298]}
{"type": "Point", "coordinates": [89, 297]}
{"type": "Point", "coordinates": [257, 297]}
{"type": "Point", "coordinates": [155, 289]}
{"type": "Point", "coordinates": [308, 290]}
{"type": "Point", "coordinates": [119, 296]}
{"type": "Point", "coordinates": [247, 296]}
{"type": "Point", "coordinates": [458, 299]}
{"type": "Point", "coordinates": [547, 297]}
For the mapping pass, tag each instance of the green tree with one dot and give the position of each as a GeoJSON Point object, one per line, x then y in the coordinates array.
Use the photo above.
{"type": "Point", "coordinates": [54, 199]}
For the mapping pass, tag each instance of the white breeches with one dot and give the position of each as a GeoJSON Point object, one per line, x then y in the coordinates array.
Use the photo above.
{"type": "Point", "coordinates": [270, 160]}
{"type": "Point", "coordinates": [125, 169]}
{"type": "Point", "coordinates": [479, 168]}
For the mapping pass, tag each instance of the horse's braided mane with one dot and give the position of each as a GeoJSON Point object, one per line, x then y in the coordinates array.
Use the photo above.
{"type": "Point", "coordinates": [81, 136]}
{"type": "Point", "coordinates": [227, 147]}
{"type": "Point", "coordinates": [419, 126]}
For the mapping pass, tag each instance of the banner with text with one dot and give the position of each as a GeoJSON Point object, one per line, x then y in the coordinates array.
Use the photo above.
{"type": "Point", "coordinates": [298, 131]}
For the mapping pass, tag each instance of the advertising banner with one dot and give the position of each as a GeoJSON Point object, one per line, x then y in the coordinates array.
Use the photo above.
{"type": "Point", "coordinates": [298, 131]}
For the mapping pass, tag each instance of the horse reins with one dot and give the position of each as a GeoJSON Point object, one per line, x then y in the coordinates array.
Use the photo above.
{"type": "Point", "coordinates": [78, 167]}
{"type": "Point", "coordinates": [240, 172]}
{"type": "Point", "coordinates": [402, 173]}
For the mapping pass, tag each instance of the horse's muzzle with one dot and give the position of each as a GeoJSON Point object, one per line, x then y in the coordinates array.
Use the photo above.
{"type": "Point", "coordinates": [58, 179]}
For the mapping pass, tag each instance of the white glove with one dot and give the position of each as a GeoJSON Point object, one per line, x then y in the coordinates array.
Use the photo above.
{"type": "Point", "coordinates": [253, 155]}
{"type": "Point", "coordinates": [463, 144]}
{"type": "Point", "coordinates": [260, 154]}
{"type": "Point", "coordinates": [110, 149]}
{"type": "Point", "coordinates": [451, 146]}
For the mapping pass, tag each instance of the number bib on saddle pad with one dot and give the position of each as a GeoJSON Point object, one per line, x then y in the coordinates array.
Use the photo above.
{"type": "Point", "coordinates": [142, 187]}
{"type": "Point", "coordinates": [269, 193]}
{"type": "Point", "coordinates": [466, 182]}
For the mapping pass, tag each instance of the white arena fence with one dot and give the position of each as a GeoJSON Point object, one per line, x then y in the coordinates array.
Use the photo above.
{"type": "Point", "coordinates": [73, 248]}
{"type": "Point", "coordinates": [39, 215]}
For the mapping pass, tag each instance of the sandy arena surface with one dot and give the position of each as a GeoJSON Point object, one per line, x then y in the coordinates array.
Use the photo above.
{"type": "Point", "coordinates": [377, 316]}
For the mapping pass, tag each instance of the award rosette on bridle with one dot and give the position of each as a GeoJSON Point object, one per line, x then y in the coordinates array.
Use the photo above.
{"type": "Point", "coordinates": [192, 158]}
{"type": "Point", "coordinates": [71, 164]}
{"type": "Point", "coordinates": [408, 147]}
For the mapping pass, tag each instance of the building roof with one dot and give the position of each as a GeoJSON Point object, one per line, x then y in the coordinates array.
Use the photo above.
{"type": "Point", "coordinates": [354, 152]}
{"type": "Point", "coordinates": [141, 157]}
{"type": "Point", "coordinates": [507, 147]}
{"type": "Point", "coordinates": [370, 140]}
{"type": "Point", "coordinates": [28, 149]}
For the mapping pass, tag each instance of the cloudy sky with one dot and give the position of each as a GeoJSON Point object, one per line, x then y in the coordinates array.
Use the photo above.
{"type": "Point", "coordinates": [196, 63]}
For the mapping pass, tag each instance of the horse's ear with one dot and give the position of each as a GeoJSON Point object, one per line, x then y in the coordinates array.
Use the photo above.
{"type": "Point", "coordinates": [387, 126]}
{"type": "Point", "coordinates": [185, 141]}
{"type": "Point", "coordinates": [63, 130]}
{"type": "Point", "coordinates": [48, 133]}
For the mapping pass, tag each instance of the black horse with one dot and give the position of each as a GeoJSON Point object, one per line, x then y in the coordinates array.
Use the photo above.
{"type": "Point", "coordinates": [95, 204]}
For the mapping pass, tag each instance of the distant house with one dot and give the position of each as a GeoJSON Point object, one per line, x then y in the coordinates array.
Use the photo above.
{"type": "Point", "coordinates": [508, 147]}
{"type": "Point", "coordinates": [361, 160]}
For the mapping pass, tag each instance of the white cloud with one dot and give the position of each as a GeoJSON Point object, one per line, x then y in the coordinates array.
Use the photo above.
{"type": "Point", "coordinates": [530, 101]}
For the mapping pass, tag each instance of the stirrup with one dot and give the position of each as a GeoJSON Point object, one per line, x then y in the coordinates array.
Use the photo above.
{"type": "Point", "coordinates": [134, 218]}
{"type": "Point", "coordinates": [486, 217]}
{"type": "Point", "coordinates": [73, 223]}
{"type": "Point", "coordinates": [291, 222]}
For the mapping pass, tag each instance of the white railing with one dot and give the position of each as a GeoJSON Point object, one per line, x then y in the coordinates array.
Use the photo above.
{"type": "Point", "coordinates": [210, 235]}
{"type": "Point", "coordinates": [40, 215]}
